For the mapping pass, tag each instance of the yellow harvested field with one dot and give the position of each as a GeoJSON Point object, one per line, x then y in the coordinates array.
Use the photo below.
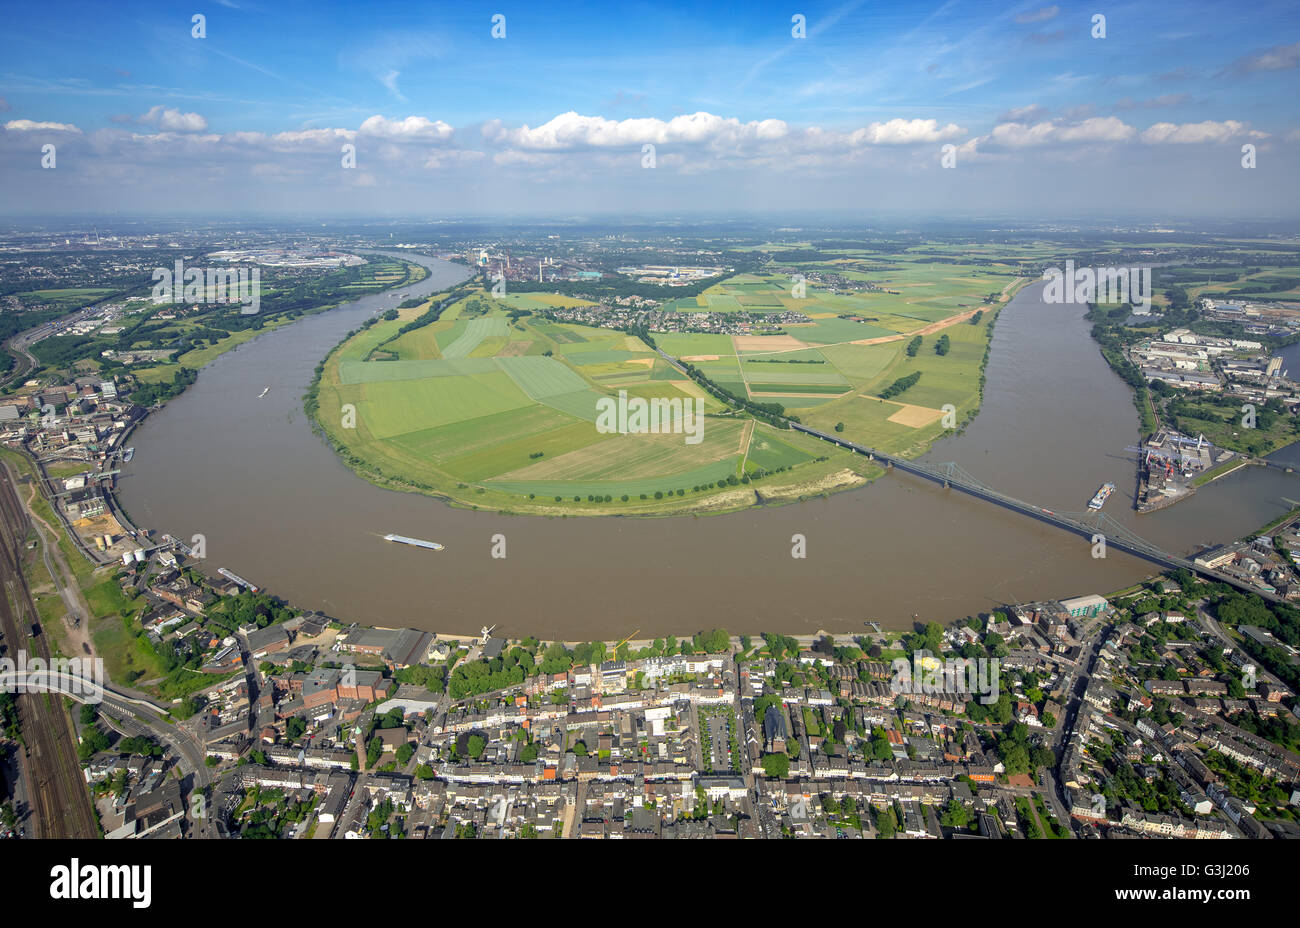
{"type": "Point", "coordinates": [701, 357]}
{"type": "Point", "coordinates": [689, 387]}
{"type": "Point", "coordinates": [914, 416]}
{"type": "Point", "coordinates": [766, 343]}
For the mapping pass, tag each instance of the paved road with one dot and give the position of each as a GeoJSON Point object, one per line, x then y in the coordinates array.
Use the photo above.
{"type": "Point", "coordinates": [18, 345]}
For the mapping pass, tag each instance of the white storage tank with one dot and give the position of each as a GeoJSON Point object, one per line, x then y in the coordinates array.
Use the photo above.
{"type": "Point", "coordinates": [139, 555]}
{"type": "Point", "coordinates": [126, 558]}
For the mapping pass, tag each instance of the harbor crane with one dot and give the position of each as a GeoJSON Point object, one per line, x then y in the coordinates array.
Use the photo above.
{"type": "Point", "coordinates": [484, 632]}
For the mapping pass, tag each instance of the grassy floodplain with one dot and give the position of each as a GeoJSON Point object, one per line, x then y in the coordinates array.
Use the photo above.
{"type": "Point", "coordinates": [499, 411]}
{"type": "Point", "coordinates": [493, 405]}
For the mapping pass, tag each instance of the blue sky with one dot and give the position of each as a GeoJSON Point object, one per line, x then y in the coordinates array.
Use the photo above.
{"type": "Point", "coordinates": [742, 115]}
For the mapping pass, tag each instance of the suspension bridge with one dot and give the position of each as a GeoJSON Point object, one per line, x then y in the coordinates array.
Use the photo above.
{"type": "Point", "coordinates": [1089, 524]}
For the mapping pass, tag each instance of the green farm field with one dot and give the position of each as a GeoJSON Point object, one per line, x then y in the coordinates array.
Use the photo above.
{"type": "Point", "coordinates": [501, 414]}
{"type": "Point", "coordinates": [494, 405]}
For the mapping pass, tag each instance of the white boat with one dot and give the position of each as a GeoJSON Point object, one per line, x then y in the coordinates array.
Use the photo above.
{"type": "Point", "coordinates": [419, 543]}
{"type": "Point", "coordinates": [265, 390]}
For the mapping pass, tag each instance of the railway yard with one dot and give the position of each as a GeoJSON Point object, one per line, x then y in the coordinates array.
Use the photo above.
{"type": "Point", "coordinates": [60, 803]}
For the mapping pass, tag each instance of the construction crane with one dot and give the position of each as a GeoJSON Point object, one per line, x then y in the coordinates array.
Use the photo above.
{"type": "Point", "coordinates": [625, 641]}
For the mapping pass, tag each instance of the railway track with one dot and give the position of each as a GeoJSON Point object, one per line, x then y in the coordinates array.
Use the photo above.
{"type": "Point", "coordinates": [62, 803]}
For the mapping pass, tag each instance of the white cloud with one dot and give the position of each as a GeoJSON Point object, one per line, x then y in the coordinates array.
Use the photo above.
{"type": "Point", "coordinates": [905, 132]}
{"type": "Point", "coordinates": [763, 141]}
{"type": "Point", "coordinates": [1098, 129]}
{"type": "Point", "coordinates": [574, 131]}
{"type": "Point", "coordinates": [1196, 133]}
{"type": "Point", "coordinates": [173, 120]}
{"type": "Point", "coordinates": [26, 125]}
{"type": "Point", "coordinates": [1102, 129]}
{"type": "Point", "coordinates": [412, 127]}
{"type": "Point", "coordinates": [310, 137]}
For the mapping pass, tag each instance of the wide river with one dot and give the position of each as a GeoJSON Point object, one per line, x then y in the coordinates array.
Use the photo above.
{"type": "Point", "coordinates": [277, 506]}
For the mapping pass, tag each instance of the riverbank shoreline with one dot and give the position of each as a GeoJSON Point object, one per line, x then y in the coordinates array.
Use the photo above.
{"type": "Point", "coordinates": [869, 554]}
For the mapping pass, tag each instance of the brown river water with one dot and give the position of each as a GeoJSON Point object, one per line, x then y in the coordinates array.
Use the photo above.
{"type": "Point", "coordinates": [276, 506]}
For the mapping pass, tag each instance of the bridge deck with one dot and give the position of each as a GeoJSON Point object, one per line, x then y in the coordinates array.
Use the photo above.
{"type": "Point", "coordinates": [1115, 534]}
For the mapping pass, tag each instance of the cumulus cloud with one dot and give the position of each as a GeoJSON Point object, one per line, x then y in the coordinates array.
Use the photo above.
{"type": "Point", "coordinates": [312, 137]}
{"type": "Point", "coordinates": [1110, 130]}
{"type": "Point", "coordinates": [905, 132]}
{"type": "Point", "coordinates": [724, 137]}
{"type": "Point", "coordinates": [1099, 129]}
{"type": "Point", "coordinates": [1196, 133]}
{"type": "Point", "coordinates": [173, 120]}
{"type": "Point", "coordinates": [571, 144]}
{"type": "Point", "coordinates": [27, 125]}
{"type": "Point", "coordinates": [412, 127]}
{"type": "Point", "coordinates": [572, 130]}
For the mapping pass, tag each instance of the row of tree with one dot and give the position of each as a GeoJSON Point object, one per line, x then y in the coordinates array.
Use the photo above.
{"type": "Point", "coordinates": [899, 385]}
